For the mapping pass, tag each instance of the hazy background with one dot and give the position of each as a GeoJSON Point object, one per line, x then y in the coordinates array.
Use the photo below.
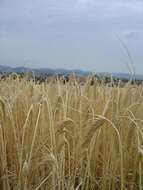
{"type": "Point", "coordinates": [71, 34]}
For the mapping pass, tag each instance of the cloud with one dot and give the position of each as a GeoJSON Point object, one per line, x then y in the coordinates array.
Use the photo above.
{"type": "Point", "coordinates": [69, 31]}
{"type": "Point", "coordinates": [43, 11]}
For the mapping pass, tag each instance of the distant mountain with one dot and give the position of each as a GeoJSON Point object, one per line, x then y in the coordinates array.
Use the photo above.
{"type": "Point", "coordinates": [6, 69]}
{"type": "Point", "coordinates": [126, 76]}
{"type": "Point", "coordinates": [40, 71]}
{"type": "Point", "coordinates": [121, 75]}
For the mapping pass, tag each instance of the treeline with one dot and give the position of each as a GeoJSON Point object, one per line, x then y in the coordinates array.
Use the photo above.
{"type": "Point", "coordinates": [65, 78]}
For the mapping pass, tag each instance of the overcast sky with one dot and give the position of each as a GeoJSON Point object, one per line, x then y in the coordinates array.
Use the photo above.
{"type": "Point", "coordinates": [71, 34]}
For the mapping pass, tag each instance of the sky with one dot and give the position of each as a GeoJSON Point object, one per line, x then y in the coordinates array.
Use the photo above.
{"type": "Point", "coordinates": [72, 34]}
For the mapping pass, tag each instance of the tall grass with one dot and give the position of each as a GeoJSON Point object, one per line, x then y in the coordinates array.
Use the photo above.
{"type": "Point", "coordinates": [70, 137]}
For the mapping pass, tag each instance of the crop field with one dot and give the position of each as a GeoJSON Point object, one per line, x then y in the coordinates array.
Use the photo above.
{"type": "Point", "coordinates": [56, 136]}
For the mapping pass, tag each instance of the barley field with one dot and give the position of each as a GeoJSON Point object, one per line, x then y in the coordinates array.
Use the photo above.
{"type": "Point", "coordinates": [56, 136]}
